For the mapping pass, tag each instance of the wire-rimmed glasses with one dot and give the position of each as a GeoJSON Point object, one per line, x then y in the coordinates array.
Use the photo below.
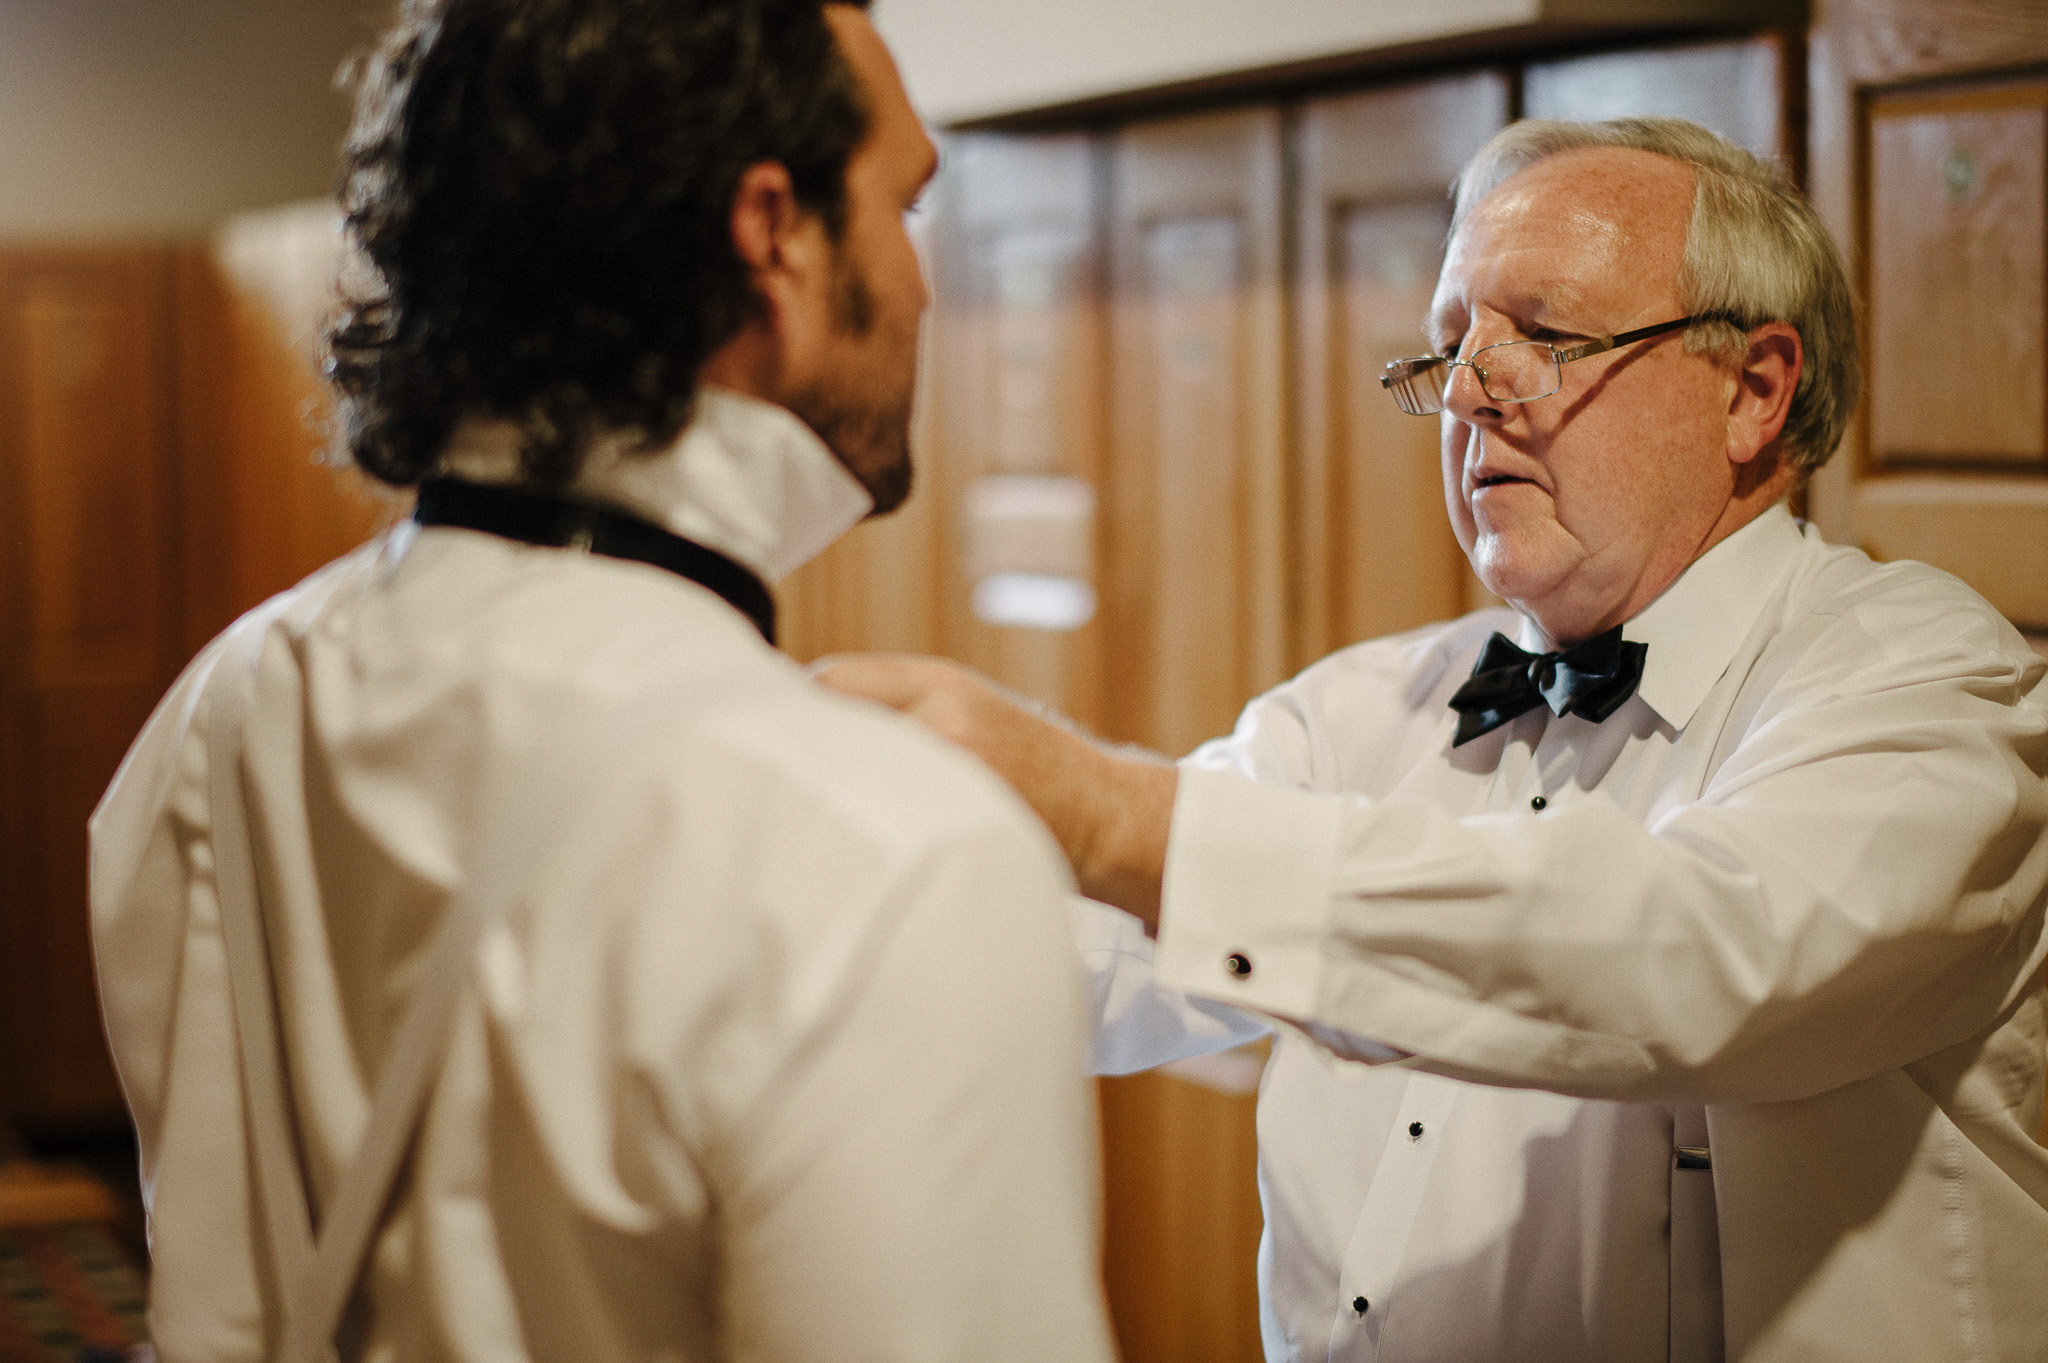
{"type": "Point", "coordinates": [1515, 371]}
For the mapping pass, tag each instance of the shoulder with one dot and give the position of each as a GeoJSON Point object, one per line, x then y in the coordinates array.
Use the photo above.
{"type": "Point", "coordinates": [748, 770]}
{"type": "Point", "coordinates": [727, 863]}
{"type": "Point", "coordinates": [1849, 615]}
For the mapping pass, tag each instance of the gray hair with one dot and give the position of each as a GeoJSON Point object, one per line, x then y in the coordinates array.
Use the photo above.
{"type": "Point", "coordinates": [1754, 251]}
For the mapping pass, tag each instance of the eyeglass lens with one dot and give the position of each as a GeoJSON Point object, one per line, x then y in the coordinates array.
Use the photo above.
{"type": "Point", "coordinates": [1512, 371]}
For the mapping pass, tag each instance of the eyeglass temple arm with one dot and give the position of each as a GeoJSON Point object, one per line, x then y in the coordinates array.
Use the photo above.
{"type": "Point", "coordinates": [1580, 352]}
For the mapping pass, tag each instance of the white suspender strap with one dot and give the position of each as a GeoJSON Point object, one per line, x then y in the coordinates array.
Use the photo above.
{"type": "Point", "coordinates": [313, 1310]}
{"type": "Point", "coordinates": [273, 1147]}
{"type": "Point", "coordinates": [318, 1281]}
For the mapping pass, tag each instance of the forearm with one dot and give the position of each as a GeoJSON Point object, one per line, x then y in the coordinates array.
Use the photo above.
{"type": "Point", "coordinates": [1113, 820]}
{"type": "Point", "coordinates": [1712, 958]}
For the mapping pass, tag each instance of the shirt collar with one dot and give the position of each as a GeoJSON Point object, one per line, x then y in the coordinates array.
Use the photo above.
{"type": "Point", "coordinates": [1695, 626]}
{"type": "Point", "coordinates": [746, 477]}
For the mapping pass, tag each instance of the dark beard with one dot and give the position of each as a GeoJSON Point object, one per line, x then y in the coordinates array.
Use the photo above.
{"type": "Point", "coordinates": [872, 440]}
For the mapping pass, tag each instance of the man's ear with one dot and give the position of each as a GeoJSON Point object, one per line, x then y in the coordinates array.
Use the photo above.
{"type": "Point", "coordinates": [1761, 397]}
{"type": "Point", "coordinates": [788, 261]}
{"type": "Point", "coordinates": [781, 244]}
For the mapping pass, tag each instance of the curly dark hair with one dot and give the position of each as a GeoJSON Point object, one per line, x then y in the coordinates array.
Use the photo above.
{"type": "Point", "coordinates": [542, 191]}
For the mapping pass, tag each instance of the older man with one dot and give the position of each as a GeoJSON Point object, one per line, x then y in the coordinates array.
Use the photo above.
{"type": "Point", "coordinates": [1688, 916]}
{"type": "Point", "coordinates": [742, 1068]}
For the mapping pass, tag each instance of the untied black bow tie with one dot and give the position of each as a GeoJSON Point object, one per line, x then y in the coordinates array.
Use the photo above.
{"type": "Point", "coordinates": [1591, 681]}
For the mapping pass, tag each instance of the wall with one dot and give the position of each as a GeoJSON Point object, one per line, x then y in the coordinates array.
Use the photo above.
{"type": "Point", "coordinates": [140, 119]}
{"type": "Point", "coordinates": [973, 59]}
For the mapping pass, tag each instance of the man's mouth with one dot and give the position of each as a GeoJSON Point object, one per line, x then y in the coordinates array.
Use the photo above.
{"type": "Point", "coordinates": [1496, 480]}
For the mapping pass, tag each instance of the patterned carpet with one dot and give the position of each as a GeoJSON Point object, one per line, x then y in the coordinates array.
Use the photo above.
{"type": "Point", "coordinates": [68, 1294]}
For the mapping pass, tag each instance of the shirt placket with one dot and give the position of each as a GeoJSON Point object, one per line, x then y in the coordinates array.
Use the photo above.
{"type": "Point", "coordinates": [1366, 1289]}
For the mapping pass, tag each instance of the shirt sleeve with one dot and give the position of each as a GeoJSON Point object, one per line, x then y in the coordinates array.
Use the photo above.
{"type": "Point", "coordinates": [1857, 885]}
{"type": "Point", "coordinates": [1140, 1023]}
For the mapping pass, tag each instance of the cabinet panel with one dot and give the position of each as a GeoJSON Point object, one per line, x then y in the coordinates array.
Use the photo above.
{"type": "Point", "coordinates": [1197, 584]}
{"type": "Point", "coordinates": [88, 631]}
{"type": "Point", "coordinates": [1949, 461]}
{"type": "Point", "coordinates": [1988, 528]}
{"type": "Point", "coordinates": [1016, 381]}
{"type": "Point", "coordinates": [73, 740]}
{"type": "Point", "coordinates": [77, 336]}
{"type": "Point", "coordinates": [1184, 1222]}
{"type": "Point", "coordinates": [1372, 210]}
{"type": "Point", "coordinates": [1958, 365]}
{"type": "Point", "coordinates": [1197, 498]}
{"type": "Point", "coordinates": [879, 587]}
{"type": "Point", "coordinates": [1992, 532]}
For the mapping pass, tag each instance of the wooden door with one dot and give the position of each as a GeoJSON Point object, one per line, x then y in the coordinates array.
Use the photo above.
{"type": "Point", "coordinates": [1372, 207]}
{"type": "Point", "coordinates": [88, 631]}
{"type": "Point", "coordinates": [1197, 615]}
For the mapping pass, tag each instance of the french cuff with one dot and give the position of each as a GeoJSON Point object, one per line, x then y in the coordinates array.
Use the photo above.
{"type": "Point", "coordinates": [1244, 904]}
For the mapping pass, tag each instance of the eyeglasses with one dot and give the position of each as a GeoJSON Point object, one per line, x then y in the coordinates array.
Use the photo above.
{"type": "Point", "coordinates": [1513, 371]}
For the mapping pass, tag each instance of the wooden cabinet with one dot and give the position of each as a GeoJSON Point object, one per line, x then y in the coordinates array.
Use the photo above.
{"type": "Point", "coordinates": [89, 585]}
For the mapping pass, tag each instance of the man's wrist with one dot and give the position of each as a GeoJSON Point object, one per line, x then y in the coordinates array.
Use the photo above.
{"type": "Point", "coordinates": [1120, 855]}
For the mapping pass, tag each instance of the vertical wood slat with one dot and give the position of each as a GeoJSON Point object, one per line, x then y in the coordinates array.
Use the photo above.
{"type": "Point", "coordinates": [1198, 489]}
{"type": "Point", "coordinates": [1371, 207]}
{"type": "Point", "coordinates": [1016, 379]}
{"type": "Point", "coordinates": [1958, 295]}
{"type": "Point", "coordinates": [88, 638]}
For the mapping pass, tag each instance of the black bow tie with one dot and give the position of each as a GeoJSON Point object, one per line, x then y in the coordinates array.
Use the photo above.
{"type": "Point", "coordinates": [1590, 681]}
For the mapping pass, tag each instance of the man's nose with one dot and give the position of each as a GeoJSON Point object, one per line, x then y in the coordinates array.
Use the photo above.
{"type": "Point", "coordinates": [1465, 397]}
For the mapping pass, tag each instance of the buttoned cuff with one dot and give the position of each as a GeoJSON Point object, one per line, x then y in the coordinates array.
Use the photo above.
{"type": "Point", "coordinates": [1244, 905]}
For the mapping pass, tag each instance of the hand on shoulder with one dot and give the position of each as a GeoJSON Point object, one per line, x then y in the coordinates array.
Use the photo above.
{"type": "Point", "coordinates": [1108, 808]}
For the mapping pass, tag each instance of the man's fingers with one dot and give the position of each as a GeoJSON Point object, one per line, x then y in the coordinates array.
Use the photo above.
{"type": "Point", "coordinates": [900, 682]}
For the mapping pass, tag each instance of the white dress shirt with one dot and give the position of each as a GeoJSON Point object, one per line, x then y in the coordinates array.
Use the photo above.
{"type": "Point", "coordinates": [1796, 880]}
{"type": "Point", "coordinates": [777, 1058]}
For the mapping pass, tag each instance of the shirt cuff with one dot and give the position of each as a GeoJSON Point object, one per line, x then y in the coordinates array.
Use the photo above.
{"type": "Point", "coordinates": [1245, 901]}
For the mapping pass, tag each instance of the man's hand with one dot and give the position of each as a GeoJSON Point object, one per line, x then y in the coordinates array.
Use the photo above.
{"type": "Point", "coordinates": [1109, 809]}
